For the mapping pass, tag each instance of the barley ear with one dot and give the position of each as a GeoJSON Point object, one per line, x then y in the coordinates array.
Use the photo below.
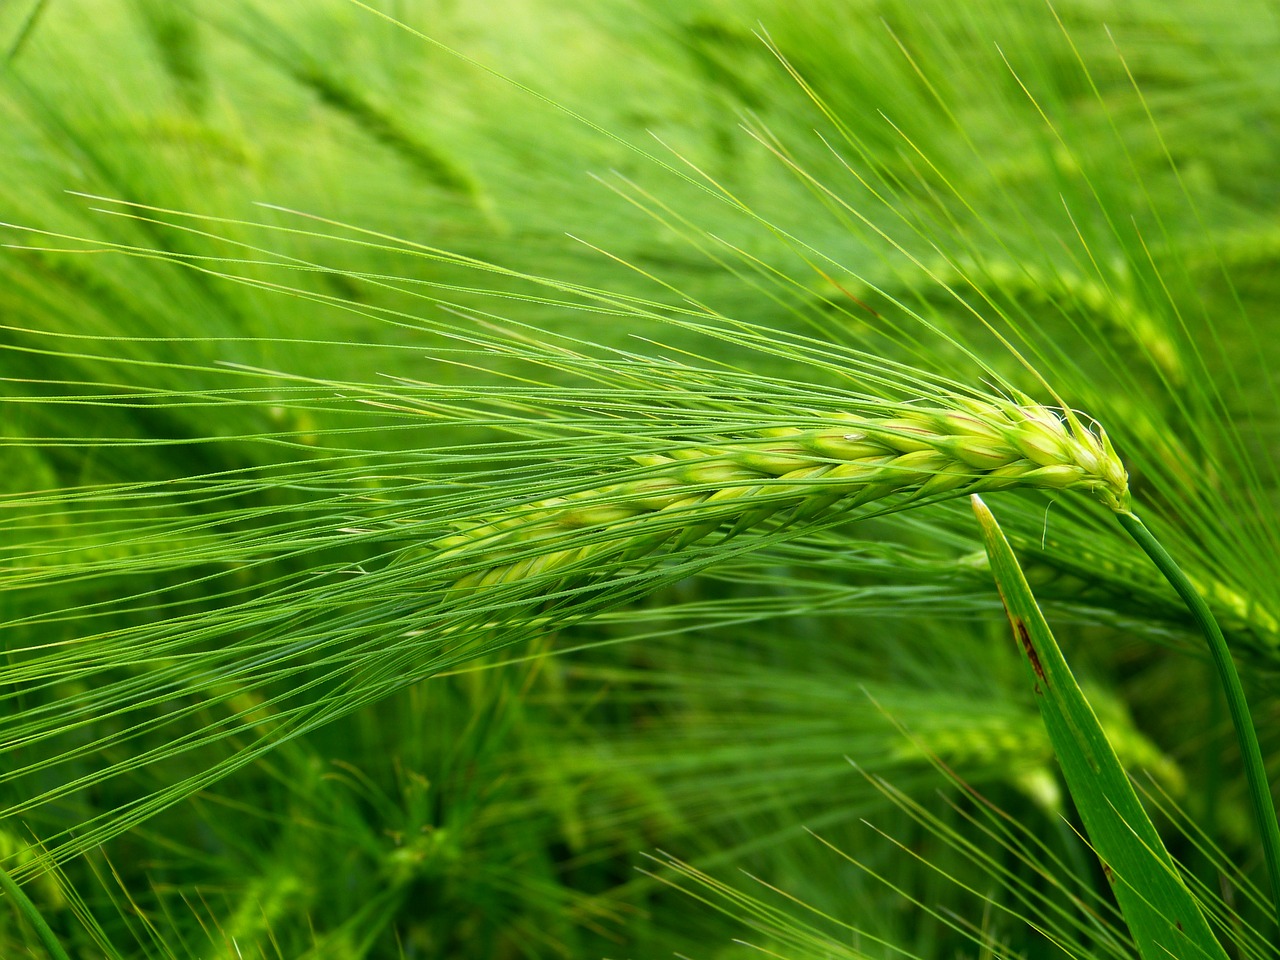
{"type": "Point", "coordinates": [684, 494]}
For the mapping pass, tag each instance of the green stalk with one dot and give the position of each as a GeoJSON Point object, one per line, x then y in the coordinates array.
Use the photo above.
{"type": "Point", "coordinates": [1255, 772]}
{"type": "Point", "coordinates": [28, 910]}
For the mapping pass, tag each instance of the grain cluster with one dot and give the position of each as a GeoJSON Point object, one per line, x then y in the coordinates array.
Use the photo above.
{"type": "Point", "coordinates": [682, 494]}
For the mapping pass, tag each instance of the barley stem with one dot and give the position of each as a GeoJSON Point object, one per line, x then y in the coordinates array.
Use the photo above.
{"type": "Point", "coordinates": [1251, 753]}
{"type": "Point", "coordinates": [29, 910]}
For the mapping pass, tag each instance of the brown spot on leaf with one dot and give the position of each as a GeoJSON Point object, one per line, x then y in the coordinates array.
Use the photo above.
{"type": "Point", "coordinates": [1024, 637]}
{"type": "Point", "coordinates": [1108, 873]}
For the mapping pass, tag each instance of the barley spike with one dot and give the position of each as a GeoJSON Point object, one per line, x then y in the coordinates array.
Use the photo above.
{"type": "Point", "coordinates": [682, 495]}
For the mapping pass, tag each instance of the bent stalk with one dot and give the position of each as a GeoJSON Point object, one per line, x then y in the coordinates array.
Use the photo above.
{"type": "Point", "coordinates": [33, 915]}
{"type": "Point", "coordinates": [1251, 753]}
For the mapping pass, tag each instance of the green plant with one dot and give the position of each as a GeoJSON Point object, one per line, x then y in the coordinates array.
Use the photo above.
{"type": "Point", "coordinates": [378, 547]}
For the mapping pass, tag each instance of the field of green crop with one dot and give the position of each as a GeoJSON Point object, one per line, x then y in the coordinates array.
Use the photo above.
{"type": "Point", "coordinates": [523, 480]}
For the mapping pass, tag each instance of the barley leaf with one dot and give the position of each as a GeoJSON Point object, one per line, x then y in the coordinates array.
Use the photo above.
{"type": "Point", "coordinates": [1163, 917]}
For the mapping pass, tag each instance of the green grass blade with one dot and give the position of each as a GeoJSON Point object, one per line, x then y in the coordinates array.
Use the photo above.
{"type": "Point", "coordinates": [47, 938]}
{"type": "Point", "coordinates": [1161, 913]}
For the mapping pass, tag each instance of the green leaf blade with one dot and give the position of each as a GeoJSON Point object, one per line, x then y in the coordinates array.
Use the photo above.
{"type": "Point", "coordinates": [1162, 915]}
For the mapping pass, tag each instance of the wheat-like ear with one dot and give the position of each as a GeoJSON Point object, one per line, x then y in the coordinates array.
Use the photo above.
{"type": "Point", "coordinates": [683, 494]}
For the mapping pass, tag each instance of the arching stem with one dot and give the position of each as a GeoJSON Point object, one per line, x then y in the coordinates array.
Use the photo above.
{"type": "Point", "coordinates": [1250, 752]}
{"type": "Point", "coordinates": [28, 910]}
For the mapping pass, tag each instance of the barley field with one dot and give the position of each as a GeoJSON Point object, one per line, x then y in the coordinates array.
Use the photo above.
{"type": "Point", "coordinates": [631, 479]}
